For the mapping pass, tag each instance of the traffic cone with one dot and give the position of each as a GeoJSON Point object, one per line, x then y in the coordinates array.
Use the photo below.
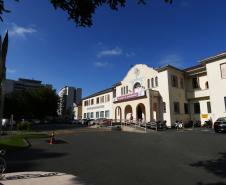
{"type": "Point", "coordinates": [52, 139]}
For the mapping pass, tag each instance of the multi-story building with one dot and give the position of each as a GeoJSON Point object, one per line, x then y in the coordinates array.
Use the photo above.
{"type": "Point", "coordinates": [98, 105]}
{"type": "Point", "coordinates": [69, 97]}
{"type": "Point", "coordinates": [166, 93]}
{"type": "Point", "coordinates": [78, 111]}
{"type": "Point", "coordinates": [23, 84]}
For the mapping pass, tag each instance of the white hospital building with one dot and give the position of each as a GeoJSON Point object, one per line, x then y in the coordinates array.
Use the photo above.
{"type": "Point", "coordinates": [166, 93]}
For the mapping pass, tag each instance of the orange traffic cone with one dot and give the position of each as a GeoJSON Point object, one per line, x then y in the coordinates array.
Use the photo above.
{"type": "Point", "coordinates": [52, 139]}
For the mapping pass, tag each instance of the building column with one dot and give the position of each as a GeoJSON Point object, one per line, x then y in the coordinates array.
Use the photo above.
{"type": "Point", "coordinates": [150, 102]}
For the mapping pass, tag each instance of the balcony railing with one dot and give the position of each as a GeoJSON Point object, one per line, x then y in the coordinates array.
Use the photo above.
{"type": "Point", "coordinates": [198, 93]}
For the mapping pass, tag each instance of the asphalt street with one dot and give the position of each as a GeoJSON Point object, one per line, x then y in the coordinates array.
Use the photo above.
{"type": "Point", "coordinates": [170, 157]}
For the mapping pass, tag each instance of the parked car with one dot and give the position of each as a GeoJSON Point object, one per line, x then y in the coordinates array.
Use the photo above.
{"type": "Point", "coordinates": [75, 121]}
{"type": "Point", "coordinates": [220, 125]}
{"type": "Point", "coordinates": [159, 124]}
{"type": "Point", "coordinates": [102, 121]}
{"type": "Point", "coordinates": [86, 121]}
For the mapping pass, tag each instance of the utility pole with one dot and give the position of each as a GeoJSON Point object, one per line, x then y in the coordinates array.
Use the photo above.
{"type": "Point", "coordinates": [3, 53]}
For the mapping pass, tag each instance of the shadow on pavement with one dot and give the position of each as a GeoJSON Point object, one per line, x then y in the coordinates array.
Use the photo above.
{"type": "Point", "coordinates": [25, 160]}
{"type": "Point", "coordinates": [57, 141]}
{"type": "Point", "coordinates": [214, 166]}
{"type": "Point", "coordinates": [217, 183]}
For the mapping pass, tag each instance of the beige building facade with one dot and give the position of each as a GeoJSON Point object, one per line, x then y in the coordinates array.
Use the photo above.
{"type": "Point", "coordinates": [98, 105]}
{"type": "Point", "coordinates": [167, 93]}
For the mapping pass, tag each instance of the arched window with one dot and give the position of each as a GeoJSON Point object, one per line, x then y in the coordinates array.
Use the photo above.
{"type": "Point", "coordinates": [148, 83]}
{"type": "Point", "coordinates": [207, 85]}
{"type": "Point", "coordinates": [136, 85]}
{"type": "Point", "coordinates": [152, 82]}
{"type": "Point", "coordinates": [156, 81]}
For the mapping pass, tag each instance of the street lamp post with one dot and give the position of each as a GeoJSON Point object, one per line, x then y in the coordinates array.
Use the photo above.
{"type": "Point", "coordinates": [3, 53]}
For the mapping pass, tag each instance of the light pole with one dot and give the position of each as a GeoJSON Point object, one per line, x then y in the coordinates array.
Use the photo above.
{"type": "Point", "coordinates": [3, 53]}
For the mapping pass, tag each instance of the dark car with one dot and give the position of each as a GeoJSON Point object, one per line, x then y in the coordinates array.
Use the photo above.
{"type": "Point", "coordinates": [103, 121]}
{"type": "Point", "coordinates": [85, 121]}
{"type": "Point", "coordinates": [161, 125]}
{"type": "Point", "coordinates": [220, 125]}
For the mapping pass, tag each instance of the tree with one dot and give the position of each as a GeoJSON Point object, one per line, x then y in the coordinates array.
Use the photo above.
{"type": "Point", "coordinates": [32, 103]}
{"type": "Point", "coordinates": [3, 53]}
{"type": "Point", "coordinates": [81, 11]}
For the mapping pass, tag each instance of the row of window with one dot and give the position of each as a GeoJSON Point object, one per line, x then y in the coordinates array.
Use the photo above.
{"type": "Point", "coordinates": [195, 83]}
{"type": "Point", "coordinates": [196, 108]}
{"type": "Point", "coordinates": [99, 114]}
{"type": "Point", "coordinates": [124, 90]}
{"type": "Point", "coordinates": [100, 99]}
{"type": "Point", "coordinates": [175, 81]}
{"type": "Point", "coordinates": [154, 82]}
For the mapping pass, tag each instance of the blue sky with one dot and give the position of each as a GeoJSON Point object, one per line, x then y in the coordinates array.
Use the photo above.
{"type": "Point", "coordinates": [45, 46]}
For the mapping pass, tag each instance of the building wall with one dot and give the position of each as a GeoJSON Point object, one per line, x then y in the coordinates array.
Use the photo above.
{"type": "Point", "coordinates": [133, 104]}
{"type": "Point", "coordinates": [203, 115]}
{"type": "Point", "coordinates": [23, 84]}
{"type": "Point", "coordinates": [143, 74]}
{"type": "Point", "coordinates": [199, 95]}
{"type": "Point", "coordinates": [8, 86]}
{"type": "Point", "coordinates": [68, 97]}
{"type": "Point", "coordinates": [177, 94]}
{"type": "Point", "coordinates": [217, 88]}
{"type": "Point", "coordinates": [164, 95]}
{"type": "Point", "coordinates": [89, 108]}
{"type": "Point", "coordinates": [78, 112]}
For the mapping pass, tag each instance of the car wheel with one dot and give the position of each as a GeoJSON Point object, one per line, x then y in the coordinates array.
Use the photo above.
{"type": "Point", "coordinates": [216, 130]}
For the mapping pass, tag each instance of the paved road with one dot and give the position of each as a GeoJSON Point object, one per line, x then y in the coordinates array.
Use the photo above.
{"type": "Point", "coordinates": [119, 158]}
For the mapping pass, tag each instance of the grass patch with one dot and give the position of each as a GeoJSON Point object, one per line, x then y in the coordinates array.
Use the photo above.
{"type": "Point", "coordinates": [13, 143]}
{"type": "Point", "coordinates": [30, 135]}
{"type": "Point", "coordinates": [18, 141]}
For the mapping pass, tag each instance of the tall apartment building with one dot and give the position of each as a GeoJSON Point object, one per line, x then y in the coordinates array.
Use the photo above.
{"type": "Point", "coordinates": [166, 93]}
{"type": "Point", "coordinates": [69, 97]}
{"type": "Point", "coordinates": [23, 84]}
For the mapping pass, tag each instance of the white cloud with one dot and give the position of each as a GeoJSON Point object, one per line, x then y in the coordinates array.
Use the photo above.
{"type": "Point", "coordinates": [111, 52]}
{"type": "Point", "coordinates": [101, 64]}
{"type": "Point", "coordinates": [172, 59]}
{"type": "Point", "coordinates": [11, 71]}
{"type": "Point", "coordinates": [19, 31]}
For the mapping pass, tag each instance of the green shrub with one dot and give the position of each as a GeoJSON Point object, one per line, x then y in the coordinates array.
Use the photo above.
{"type": "Point", "coordinates": [24, 125]}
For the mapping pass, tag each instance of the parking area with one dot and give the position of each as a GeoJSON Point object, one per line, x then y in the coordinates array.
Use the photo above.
{"type": "Point", "coordinates": [160, 158]}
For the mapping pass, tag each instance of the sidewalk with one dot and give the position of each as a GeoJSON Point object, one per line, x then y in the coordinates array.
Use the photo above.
{"type": "Point", "coordinates": [37, 178]}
